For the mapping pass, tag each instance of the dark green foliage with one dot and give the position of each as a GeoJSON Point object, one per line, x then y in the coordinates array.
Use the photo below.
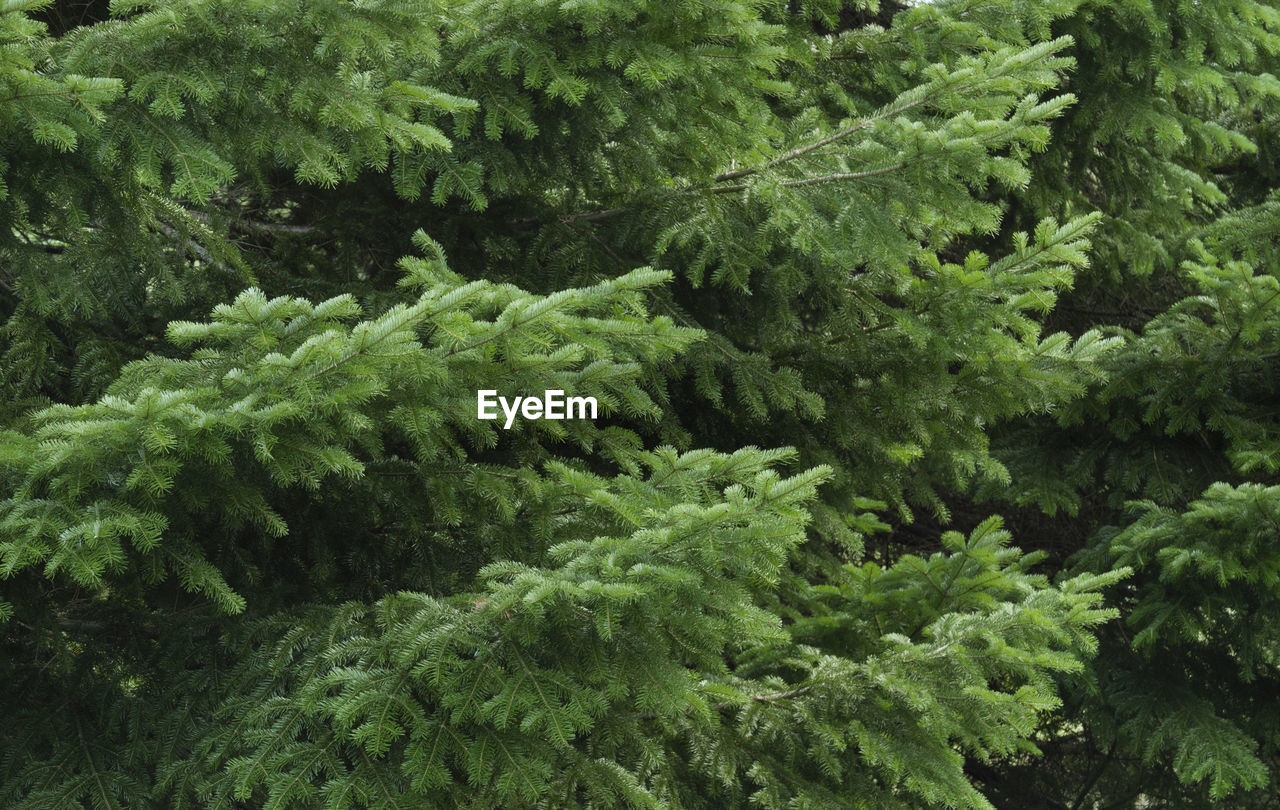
{"type": "Point", "coordinates": [846, 279]}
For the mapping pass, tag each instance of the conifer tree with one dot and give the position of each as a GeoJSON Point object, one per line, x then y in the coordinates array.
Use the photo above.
{"type": "Point", "coordinates": [848, 280]}
{"type": "Point", "coordinates": [1168, 466]}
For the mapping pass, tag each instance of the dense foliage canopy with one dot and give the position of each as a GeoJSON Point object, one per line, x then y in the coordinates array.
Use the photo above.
{"type": "Point", "coordinates": [937, 347]}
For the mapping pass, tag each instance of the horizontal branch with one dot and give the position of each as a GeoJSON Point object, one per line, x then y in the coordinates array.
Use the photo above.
{"type": "Point", "coordinates": [826, 178]}
{"type": "Point", "coordinates": [255, 226]}
{"type": "Point", "coordinates": [566, 219]}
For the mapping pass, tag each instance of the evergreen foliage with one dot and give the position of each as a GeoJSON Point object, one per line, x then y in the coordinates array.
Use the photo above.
{"type": "Point", "coordinates": [849, 280]}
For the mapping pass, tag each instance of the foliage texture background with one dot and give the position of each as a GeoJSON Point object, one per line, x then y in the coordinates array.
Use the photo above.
{"type": "Point", "coordinates": [937, 347]}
